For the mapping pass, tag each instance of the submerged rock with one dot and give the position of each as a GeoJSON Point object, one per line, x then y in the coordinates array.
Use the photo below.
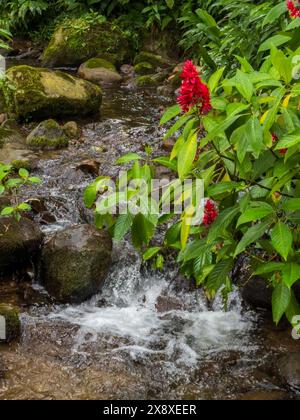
{"type": "Point", "coordinates": [70, 48]}
{"type": "Point", "coordinates": [48, 135]}
{"type": "Point", "coordinates": [19, 243]}
{"type": "Point", "coordinates": [41, 93]}
{"type": "Point", "coordinates": [75, 262]}
{"type": "Point", "coordinates": [289, 370]}
{"type": "Point", "coordinates": [99, 71]}
{"type": "Point", "coordinates": [12, 325]}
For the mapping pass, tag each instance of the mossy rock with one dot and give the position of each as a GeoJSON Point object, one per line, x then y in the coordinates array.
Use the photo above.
{"type": "Point", "coordinates": [40, 93]}
{"type": "Point", "coordinates": [99, 71]}
{"type": "Point", "coordinates": [151, 80]}
{"type": "Point", "coordinates": [144, 68]}
{"type": "Point", "coordinates": [71, 130]}
{"type": "Point", "coordinates": [95, 63]}
{"type": "Point", "coordinates": [10, 325]}
{"type": "Point", "coordinates": [8, 135]}
{"type": "Point", "coordinates": [111, 58]}
{"type": "Point", "coordinates": [154, 59]}
{"type": "Point", "coordinates": [19, 243]}
{"type": "Point", "coordinates": [75, 262]}
{"type": "Point", "coordinates": [69, 48]}
{"type": "Point", "coordinates": [48, 135]}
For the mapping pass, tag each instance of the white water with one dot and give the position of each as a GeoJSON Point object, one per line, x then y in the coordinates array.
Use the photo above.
{"type": "Point", "coordinates": [130, 322]}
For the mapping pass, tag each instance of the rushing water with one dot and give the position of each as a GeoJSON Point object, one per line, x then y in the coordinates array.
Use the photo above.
{"type": "Point", "coordinates": [148, 334]}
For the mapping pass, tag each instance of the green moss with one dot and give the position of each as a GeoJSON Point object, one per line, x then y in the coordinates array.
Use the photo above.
{"type": "Point", "coordinates": [44, 143]}
{"type": "Point", "coordinates": [95, 63]}
{"type": "Point", "coordinates": [154, 59]}
{"type": "Point", "coordinates": [39, 93]}
{"type": "Point", "coordinates": [144, 68]}
{"type": "Point", "coordinates": [151, 80]}
{"type": "Point", "coordinates": [76, 41]}
{"type": "Point", "coordinates": [12, 321]}
{"type": "Point", "coordinates": [18, 164]}
{"type": "Point", "coordinates": [110, 57]}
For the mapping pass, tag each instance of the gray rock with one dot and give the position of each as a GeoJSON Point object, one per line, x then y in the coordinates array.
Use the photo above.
{"type": "Point", "coordinates": [75, 262]}
{"type": "Point", "coordinates": [19, 243]}
{"type": "Point", "coordinates": [289, 370]}
{"type": "Point", "coordinates": [48, 135]}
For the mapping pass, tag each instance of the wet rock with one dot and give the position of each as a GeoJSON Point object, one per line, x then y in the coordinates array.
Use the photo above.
{"type": "Point", "coordinates": [289, 370]}
{"type": "Point", "coordinates": [11, 328]}
{"type": "Point", "coordinates": [127, 70]}
{"type": "Point", "coordinates": [166, 303]}
{"type": "Point", "coordinates": [71, 130]}
{"type": "Point", "coordinates": [155, 60]}
{"type": "Point", "coordinates": [151, 80]}
{"type": "Point", "coordinates": [144, 68]}
{"type": "Point", "coordinates": [89, 166]}
{"type": "Point", "coordinates": [75, 262]}
{"type": "Point", "coordinates": [99, 71]}
{"type": "Point", "coordinates": [40, 93]}
{"type": "Point", "coordinates": [19, 242]}
{"type": "Point", "coordinates": [48, 135]}
{"type": "Point", "coordinates": [68, 48]}
{"type": "Point", "coordinates": [263, 395]}
{"type": "Point", "coordinates": [8, 135]}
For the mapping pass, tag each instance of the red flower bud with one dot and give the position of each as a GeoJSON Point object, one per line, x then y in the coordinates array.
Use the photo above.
{"type": "Point", "coordinates": [293, 8]}
{"type": "Point", "coordinates": [210, 213]}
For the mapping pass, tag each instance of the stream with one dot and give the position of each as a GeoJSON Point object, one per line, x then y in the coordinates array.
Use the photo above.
{"type": "Point", "coordinates": [147, 335]}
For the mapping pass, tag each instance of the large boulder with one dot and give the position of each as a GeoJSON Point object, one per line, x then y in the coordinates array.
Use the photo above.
{"type": "Point", "coordinates": [75, 262]}
{"type": "Point", "coordinates": [10, 325]}
{"type": "Point", "coordinates": [19, 243]}
{"type": "Point", "coordinates": [68, 47]}
{"type": "Point", "coordinates": [99, 71]}
{"type": "Point", "coordinates": [41, 93]}
{"type": "Point", "coordinates": [48, 135]}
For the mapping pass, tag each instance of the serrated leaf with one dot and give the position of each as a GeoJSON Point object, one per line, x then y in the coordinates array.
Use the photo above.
{"type": "Point", "coordinates": [252, 235]}
{"type": "Point", "coordinates": [282, 239]}
{"type": "Point", "coordinates": [258, 211]}
{"type": "Point", "coordinates": [219, 274]}
{"type": "Point", "coordinates": [280, 301]}
{"type": "Point", "coordinates": [291, 274]}
{"type": "Point", "coordinates": [270, 267]}
{"type": "Point", "coordinates": [122, 226]}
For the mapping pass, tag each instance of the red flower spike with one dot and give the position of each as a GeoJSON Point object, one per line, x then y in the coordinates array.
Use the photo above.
{"type": "Point", "coordinates": [193, 91]}
{"type": "Point", "coordinates": [293, 8]}
{"type": "Point", "coordinates": [275, 139]}
{"type": "Point", "coordinates": [210, 213]}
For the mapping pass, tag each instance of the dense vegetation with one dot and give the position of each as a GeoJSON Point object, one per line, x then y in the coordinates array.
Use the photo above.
{"type": "Point", "coordinates": [238, 131]}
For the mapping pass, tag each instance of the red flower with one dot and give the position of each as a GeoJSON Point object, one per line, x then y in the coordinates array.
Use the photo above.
{"type": "Point", "coordinates": [275, 139]}
{"type": "Point", "coordinates": [293, 9]}
{"type": "Point", "coordinates": [193, 91]}
{"type": "Point", "coordinates": [210, 213]}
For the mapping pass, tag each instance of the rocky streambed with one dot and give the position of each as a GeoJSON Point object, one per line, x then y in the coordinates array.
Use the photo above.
{"type": "Point", "coordinates": [146, 335]}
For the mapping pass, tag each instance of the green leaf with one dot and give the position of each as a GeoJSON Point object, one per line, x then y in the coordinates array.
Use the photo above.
{"type": "Point", "coordinates": [130, 157]}
{"type": "Point", "coordinates": [257, 211]}
{"type": "Point", "coordinates": [7, 211]}
{"type": "Point", "coordinates": [275, 40]}
{"type": "Point", "coordinates": [223, 187]}
{"type": "Point", "coordinates": [222, 222]}
{"type": "Point", "coordinates": [282, 64]}
{"type": "Point", "coordinates": [214, 79]}
{"type": "Point", "coordinates": [34, 180]}
{"type": "Point", "coordinates": [23, 173]}
{"type": "Point", "coordinates": [252, 235]}
{"type": "Point", "coordinates": [179, 123]}
{"type": "Point", "coordinates": [254, 134]}
{"type": "Point", "coordinates": [171, 113]}
{"type": "Point", "coordinates": [165, 161]}
{"type": "Point", "coordinates": [122, 226]}
{"type": "Point", "coordinates": [280, 301]}
{"type": "Point", "coordinates": [269, 268]}
{"type": "Point", "coordinates": [275, 13]}
{"type": "Point", "coordinates": [24, 207]}
{"type": "Point", "coordinates": [142, 231]}
{"type": "Point", "coordinates": [292, 204]}
{"type": "Point", "coordinates": [219, 274]}
{"type": "Point", "coordinates": [293, 310]}
{"type": "Point", "coordinates": [291, 274]}
{"type": "Point", "coordinates": [90, 195]}
{"type": "Point", "coordinates": [282, 239]}
{"type": "Point", "coordinates": [289, 140]}
{"type": "Point", "coordinates": [186, 156]}
{"type": "Point", "coordinates": [150, 253]}
{"type": "Point", "coordinates": [244, 85]}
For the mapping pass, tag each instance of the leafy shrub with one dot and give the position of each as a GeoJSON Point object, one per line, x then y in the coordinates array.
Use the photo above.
{"type": "Point", "coordinates": [10, 185]}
